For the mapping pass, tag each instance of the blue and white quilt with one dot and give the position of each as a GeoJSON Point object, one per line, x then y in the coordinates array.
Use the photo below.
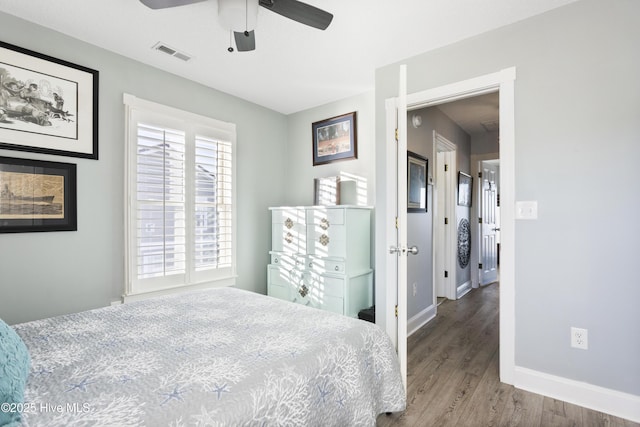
{"type": "Point", "coordinates": [220, 357]}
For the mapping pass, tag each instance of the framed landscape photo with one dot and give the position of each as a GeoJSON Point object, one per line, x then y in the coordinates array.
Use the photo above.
{"type": "Point", "coordinates": [37, 196]}
{"type": "Point", "coordinates": [464, 189]}
{"type": "Point", "coordinates": [417, 168]}
{"type": "Point", "coordinates": [47, 105]}
{"type": "Point", "coordinates": [335, 139]}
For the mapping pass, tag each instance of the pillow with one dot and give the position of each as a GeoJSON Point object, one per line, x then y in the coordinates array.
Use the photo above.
{"type": "Point", "coordinates": [14, 370]}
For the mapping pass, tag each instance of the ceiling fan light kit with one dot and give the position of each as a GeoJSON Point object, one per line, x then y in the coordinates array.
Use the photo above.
{"type": "Point", "coordinates": [240, 16]}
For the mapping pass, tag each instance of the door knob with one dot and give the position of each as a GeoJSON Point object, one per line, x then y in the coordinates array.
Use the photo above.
{"type": "Point", "coordinates": [413, 250]}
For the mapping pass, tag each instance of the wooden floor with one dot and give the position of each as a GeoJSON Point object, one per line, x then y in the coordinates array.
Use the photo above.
{"type": "Point", "coordinates": [453, 376]}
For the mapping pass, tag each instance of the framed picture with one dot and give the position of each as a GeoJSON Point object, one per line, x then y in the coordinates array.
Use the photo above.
{"type": "Point", "coordinates": [416, 182]}
{"type": "Point", "coordinates": [47, 105]}
{"type": "Point", "coordinates": [37, 196]}
{"type": "Point", "coordinates": [335, 139]}
{"type": "Point", "coordinates": [464, 189]}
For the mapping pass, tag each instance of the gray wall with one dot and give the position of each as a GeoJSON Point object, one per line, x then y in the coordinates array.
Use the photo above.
{"type": "Point", "coordinates": [577, 103]}
{"type": "Point", "coordinates": [300, 170]}
{"type": "Point", "coordinates": [44, 274]}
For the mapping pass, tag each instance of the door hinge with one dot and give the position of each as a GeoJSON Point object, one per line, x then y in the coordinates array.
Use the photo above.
{"type": "Point", "coordinates": [396, 223]}
{"type": "Point", "coordinates": [446, 273]}
{"type": "Point", "coordinates": [397, 135]}
{"type": "Point", "coordinates": [446, 221]}
{"type": "Point", "coordinates": [479, 220]}
{"type": "Point", "coordinates": [446, 167]}
{"type": "Point", "coordinates": [396, 311]}
{"type": "Point", "coordinates": [479, 174]}
{"type": "Point", "coordinates": [480, 266]}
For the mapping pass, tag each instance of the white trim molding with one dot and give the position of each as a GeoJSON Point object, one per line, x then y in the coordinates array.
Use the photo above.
{"type": "Point", "coordinates": [463, 289]}
{"type": "Point", "coordinates": [421, 319]}
{"type": "Point", "coordinates": [598, 398]}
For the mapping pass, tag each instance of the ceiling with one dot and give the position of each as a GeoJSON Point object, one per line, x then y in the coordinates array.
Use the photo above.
{"type": "Point", "coordinates": [294, 67]}
{"type": "Point", "coordinates": [476, 115]}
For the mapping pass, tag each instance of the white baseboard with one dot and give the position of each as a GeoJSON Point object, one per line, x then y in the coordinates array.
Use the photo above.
{"type": "Point", "coordinates": [463, 289]}
{"type": "Point", "coordinates": [420, 319]}
{"type": "Point", "coordinates": [601, 399]}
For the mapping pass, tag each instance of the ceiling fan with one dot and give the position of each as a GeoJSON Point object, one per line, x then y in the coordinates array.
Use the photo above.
{"type": "Point", "coordinates": [240, 16]}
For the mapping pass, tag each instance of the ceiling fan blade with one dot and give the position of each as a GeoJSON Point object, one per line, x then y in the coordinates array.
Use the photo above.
{"type": "Point", "coordinates": [300, 12]}
{"type": "Point", "coordinates": [245, 42]}
{"type": "Point", "coordinates": [163, 4]}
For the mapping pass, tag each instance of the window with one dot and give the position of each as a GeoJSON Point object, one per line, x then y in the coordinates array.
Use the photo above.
{"type": "Point", "coordinates": [180, 199]}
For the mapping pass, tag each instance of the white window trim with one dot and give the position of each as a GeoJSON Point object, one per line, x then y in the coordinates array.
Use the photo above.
{"type": "Point", "coordinates": [226, 131]}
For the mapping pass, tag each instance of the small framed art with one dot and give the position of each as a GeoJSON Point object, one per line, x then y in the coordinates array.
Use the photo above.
{"type": "Point", "coordinates": [465, 184]}
{"type": "Point", "coordinates": [37, 196]}
{"type": "Point", "coordinates": [335, 139]}
{"type": "Point", "coordinates": [417, 168]}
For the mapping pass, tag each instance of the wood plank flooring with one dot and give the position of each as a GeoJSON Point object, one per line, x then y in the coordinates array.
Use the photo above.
{"type": "Point", "coordinates": [453, 376]}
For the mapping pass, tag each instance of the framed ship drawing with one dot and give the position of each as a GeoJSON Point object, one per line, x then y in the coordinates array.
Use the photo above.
{"type": "Point", "coordinates": [37, 196]}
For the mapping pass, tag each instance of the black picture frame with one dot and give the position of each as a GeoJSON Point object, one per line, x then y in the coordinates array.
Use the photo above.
{"type": "Point", "coordinates": [37, 195]}
{"type": "Point", "coordinates": [335, 139]}
{"type": "Point", "coordinates": [465, 187]}
{"type": "Point", "coordinates": [417, 172]}
{"type": "Point", "coordinates": [47, 105]}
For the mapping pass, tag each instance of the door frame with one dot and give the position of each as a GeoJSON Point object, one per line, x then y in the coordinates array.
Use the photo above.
{"type": "Point", "coordinates": [502, 81]}
{"type": "Point", "coordinates": [445, 237]}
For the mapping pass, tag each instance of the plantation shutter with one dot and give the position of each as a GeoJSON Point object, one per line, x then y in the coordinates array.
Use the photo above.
{"type": "Point", "coordinates": [180, 199]}
{"type": "Point", "coordinates": [161, 210]}
{"type": "Point", "coordinates": [213, 203]}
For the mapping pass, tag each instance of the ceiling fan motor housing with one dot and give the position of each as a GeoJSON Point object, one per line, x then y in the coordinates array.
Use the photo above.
{"type": "Point", "coordinates": [238, 15]}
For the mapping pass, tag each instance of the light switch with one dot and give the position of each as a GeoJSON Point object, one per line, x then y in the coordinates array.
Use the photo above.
{"type": "Point", "coordinates": [527, 210]}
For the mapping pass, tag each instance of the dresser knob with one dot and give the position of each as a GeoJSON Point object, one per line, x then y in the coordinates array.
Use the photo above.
{"type": "Point", "coordinates": [288, 223]}
{"type": "Point", "coordinates": [324, 240]}
{"type": "Point", "coordinates": [324, 223]}
{"type": "Point", "coordinates": [303, 291]}
{"type": "Point", "coordinates": [337, 268]}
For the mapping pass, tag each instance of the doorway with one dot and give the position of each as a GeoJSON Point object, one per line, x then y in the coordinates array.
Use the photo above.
{"type": "Point", "coordinates": [502, 81]}
{"type": "Point", "coordinates": [451, 232]}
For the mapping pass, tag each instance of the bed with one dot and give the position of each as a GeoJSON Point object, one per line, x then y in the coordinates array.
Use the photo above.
{"type": "Point", "coordinates": [219, 357]}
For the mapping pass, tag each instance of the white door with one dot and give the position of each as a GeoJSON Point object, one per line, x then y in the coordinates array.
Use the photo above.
{"type": "Point", "coordinates": [444, 220]}
{"type": "Point", "coordinates": [397, 240]}
{"type": "Point", "coordinates": [490, 225]}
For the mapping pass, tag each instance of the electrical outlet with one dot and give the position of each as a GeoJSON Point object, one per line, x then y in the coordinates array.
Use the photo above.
{"type": "Point", "coordinates": [415, 288]}
{"type": "Point", "coordinates": [579, 338]}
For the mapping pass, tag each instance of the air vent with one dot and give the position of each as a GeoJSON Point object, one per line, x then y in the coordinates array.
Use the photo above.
{"type": "Point", "coordinates": [161, 47]}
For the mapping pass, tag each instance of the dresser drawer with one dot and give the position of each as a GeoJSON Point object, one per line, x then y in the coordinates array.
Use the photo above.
{"type": "Point", "coordinates": [288, 261]}
{"type": "Point", "coordinates": [281, 276]}
{"type": "Point", "coordinates": [288, 230]}
{"type": "Point", "coordinates": [281, 292]}
{"type": "Point", "coordinates": [325, 284]}
{"type": "Point", "coordinates": [325, 218]}
{"type": "Point", "coordinates": [326, 266]}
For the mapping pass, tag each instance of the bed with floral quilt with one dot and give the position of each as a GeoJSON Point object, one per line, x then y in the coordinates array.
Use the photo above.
{"type": "Point", "coordinates": [218, 357]}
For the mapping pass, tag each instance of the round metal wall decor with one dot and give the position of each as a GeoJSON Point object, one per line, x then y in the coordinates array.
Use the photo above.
{"type": "Point", "coordinates": [464, 243]}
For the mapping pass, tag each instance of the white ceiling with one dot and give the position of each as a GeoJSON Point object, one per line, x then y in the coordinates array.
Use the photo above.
{"type": "Point", "coordinates": [476, 115]}
{"type": "Point", "coordinates": [294, 67]}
